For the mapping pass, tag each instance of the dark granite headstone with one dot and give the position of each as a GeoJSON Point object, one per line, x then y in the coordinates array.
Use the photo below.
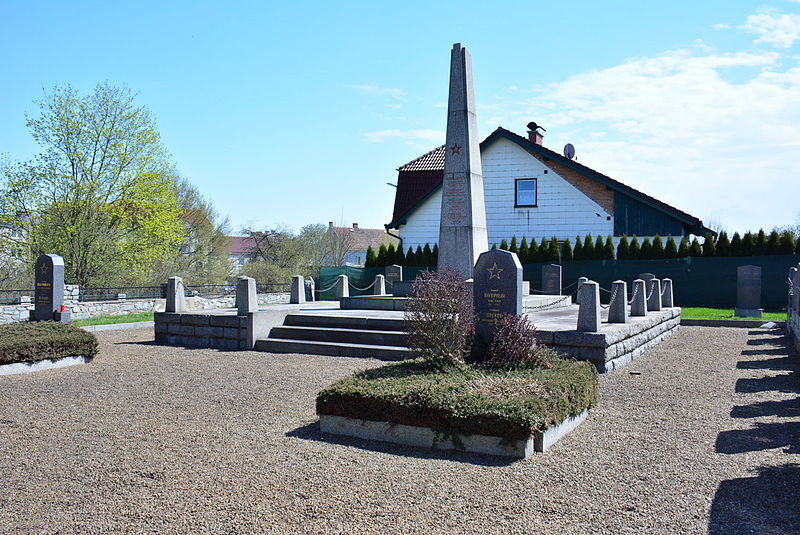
{"type": "Point", "coordinates": [49, 293]}
{"type": "Point", "coordinates": [748, 291]}
{"type": "Point", "coordinates": [496, 289]}
{"type": "Point", "coordinates": [310, 290]}
{"type": "Point", "coordinates": [393, 273]}
{"type": "Point", "coordinates": [551, 279]}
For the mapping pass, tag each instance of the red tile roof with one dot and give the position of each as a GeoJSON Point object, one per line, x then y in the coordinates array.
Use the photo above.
{"type": "Point", "coordinates": [242, 245]}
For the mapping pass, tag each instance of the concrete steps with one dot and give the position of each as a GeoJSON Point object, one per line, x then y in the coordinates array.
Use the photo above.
{"type": "Point", "coordinates": [337, 335]}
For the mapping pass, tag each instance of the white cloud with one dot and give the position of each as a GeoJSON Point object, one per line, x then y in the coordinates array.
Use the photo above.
{"type": "Point", "coordinates": [436, 136]}
{"type": "Point", "coordinates": [379, 91]}
{"type": "Point", "coordinates": [778, 29]}
{"type": "Point", "coordinates": [674, 127]}
{"type": "Point", "coordinates": [721, 26]}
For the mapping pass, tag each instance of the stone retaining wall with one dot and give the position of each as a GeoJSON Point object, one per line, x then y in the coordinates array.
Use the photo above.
{"type": "Point", "coordinates": [90, 309]}
{"type": "Point", "coordinates": [201, 330]}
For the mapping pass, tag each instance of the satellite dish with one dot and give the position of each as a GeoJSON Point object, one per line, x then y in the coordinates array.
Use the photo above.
{"type": "Point", "coordinates": [569, 151]}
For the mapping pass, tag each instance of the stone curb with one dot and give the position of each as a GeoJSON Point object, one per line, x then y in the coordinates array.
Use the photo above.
{"type": "Point", "coordinates": [46, 364]}
{"type": "Point", "coordinates": [749, 324]}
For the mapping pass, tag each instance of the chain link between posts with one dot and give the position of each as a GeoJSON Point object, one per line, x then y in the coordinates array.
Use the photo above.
{"type": "Point", "coordinates": [635, 292]}
{"type": "Point", "coordinates": [332, 286]}
{"type": "Point", "coordinates": [613, 296]}
{"type": "Point", "coordinates": [353, 286]}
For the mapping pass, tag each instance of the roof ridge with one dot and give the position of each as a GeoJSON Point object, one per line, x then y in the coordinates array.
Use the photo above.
{"type": "Point", "coordinates": [431, 152]}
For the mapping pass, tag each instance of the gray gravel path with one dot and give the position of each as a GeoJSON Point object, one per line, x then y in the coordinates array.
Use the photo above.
{"type": "Point", "coordinates": [704, 437]}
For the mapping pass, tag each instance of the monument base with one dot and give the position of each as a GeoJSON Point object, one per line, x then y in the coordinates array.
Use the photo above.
{"type": "Point", "coordinates": [748, 312]}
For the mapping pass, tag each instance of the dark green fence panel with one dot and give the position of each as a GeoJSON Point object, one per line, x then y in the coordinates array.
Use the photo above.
{"type": "Point", "coordinates": [697, 282]}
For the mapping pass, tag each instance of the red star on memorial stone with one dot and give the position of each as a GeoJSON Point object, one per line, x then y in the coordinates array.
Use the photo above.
{"type": "Point", "coordinates": [456, 149]}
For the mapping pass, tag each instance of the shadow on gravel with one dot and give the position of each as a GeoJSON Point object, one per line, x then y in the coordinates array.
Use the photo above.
{"type": "Point", "coordinates": [765, 503]}
{"type": "Point", "coordinates": [311, 432]}
{"type": "Point", "coordinates": [787, 408]}
{"type": "Point", "coordinates": [153, 343]}
{"type": "Point", "coordinates": [761, 437]}
{"type": "Point", "coordinates": [784, 382]}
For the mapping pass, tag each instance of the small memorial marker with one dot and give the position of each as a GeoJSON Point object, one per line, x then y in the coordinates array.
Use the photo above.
{"type": "Point", "coordinates": [497, 289]}
{"type": "Point", "coordinates": [551, 279]}
{"type": "Point", "coordinates": [748, 292]}
{"type": "Point", "coordinates": [393, 273]}
{"type": "Point", "coordinates": [49, 292]}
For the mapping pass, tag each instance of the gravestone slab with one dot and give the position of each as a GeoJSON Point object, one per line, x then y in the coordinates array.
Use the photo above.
{"type": "Point", "coordinates": [342, 287]}
{"type": "Point", "coordinates": [246, 296]}
{"type": "Point", "coordinates": [393, 274]}
{"type": "Point", "coordinates": [551, 279]}
{"type": "Point", "coordinates": [666, 293]}
{"type": "Point", "coordinates": [496, 289]}
{"type": "Point", "coordinates": [653, 294]}
{"type": "Point", "coordinates": [462, 224]}
{"type": "Point", "coordinates": [311, 286]}
{"type": "Point", "coordinates": [176, 300]}
{"type": "Point", "coordinates": [748, 291]}
{"type": "Point", "coordinates": [49, 292]}
{"type": "Point", "coordinates": [794, 277]}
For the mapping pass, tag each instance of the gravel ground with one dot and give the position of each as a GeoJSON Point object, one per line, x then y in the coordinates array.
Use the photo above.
{"type": "Point", "coordinates": [701, 435]}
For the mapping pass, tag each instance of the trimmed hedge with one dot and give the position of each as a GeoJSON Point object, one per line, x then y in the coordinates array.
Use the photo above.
{"type": "Point", "coordinates": [510, 401]}
{"type": "Point", "coordinates": [34, 341]}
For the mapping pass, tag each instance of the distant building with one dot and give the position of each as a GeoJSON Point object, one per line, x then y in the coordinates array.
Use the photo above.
{"type": "Point", "coordinates": [534, 192]}
{"type": "Point", "coordinates": [241, 251]}
{"type": "Point", "coordinates": [349, 244]}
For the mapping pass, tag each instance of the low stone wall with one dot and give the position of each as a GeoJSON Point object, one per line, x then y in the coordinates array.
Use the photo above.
{"type": "Point", "coordinates": [90, 309]}
{"type": "Point", "coordinates": [201, 330]}
{"type": "Point", "coordinates": [616, 344]}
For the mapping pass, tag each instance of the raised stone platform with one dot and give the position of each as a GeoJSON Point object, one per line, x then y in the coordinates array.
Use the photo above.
{"type": "Point", "coordinates": [391, 302]}
{"type": "Point", "coordinates": [614, 345]}
{"type": "Point", "coordinates": [426, 437]}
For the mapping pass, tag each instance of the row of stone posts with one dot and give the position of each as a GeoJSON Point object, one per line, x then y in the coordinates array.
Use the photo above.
{"type": "Point", "coordinates": [246, 296]}
{"type": "Point", "coordinates": [649, 295]}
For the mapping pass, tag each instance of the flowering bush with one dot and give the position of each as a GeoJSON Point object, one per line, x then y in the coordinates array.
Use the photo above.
{"type": "Point", "coordinates": [514, 341]}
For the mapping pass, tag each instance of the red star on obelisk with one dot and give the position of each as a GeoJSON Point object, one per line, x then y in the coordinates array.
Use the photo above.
{"type": "Point", "coordinates": [456, 149]}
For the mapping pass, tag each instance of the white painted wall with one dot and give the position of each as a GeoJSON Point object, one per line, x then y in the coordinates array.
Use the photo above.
{"type": "Point", "coordinates": [562, 211]}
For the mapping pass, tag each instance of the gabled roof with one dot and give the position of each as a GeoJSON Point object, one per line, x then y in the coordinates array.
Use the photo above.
{"type": "Point", "coordinates": [410, 196]}
{"type": "Point", "coordinates": [356, 239]}
{"type": "Point", "coordinates": [242, 245]}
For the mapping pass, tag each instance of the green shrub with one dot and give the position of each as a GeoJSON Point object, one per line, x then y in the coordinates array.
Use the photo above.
{"type": "Point", "coordinates": [504, 245]}
{"type": "Point", "coordinates": [671, 250]}
{"type": "Point", "coordinates": [513, 247]}
{"type": "Point", "coordinates": [658, 248]}
{"type": "Point", "coordinates": [514, 341]}
{"type": "Point", "coordinates": [435, 256]}
{"type": "Point", "coordinates": [419, 256]}
{"type": "Point", "coordinates": [554, 250]}
{"type": "Point", "coordinates": [523, 251]}
{"type": "Point", "coordinates": [566, 251]}
{"type": "Point", "coordinates": [544, 246]}
{"type": "Point", "coordinates": [723, 246]}
{"type": "Point", "coordinates": [647, 250]}
{"type": "Point", "coordinates": [760, 248]}
{"type": "Point", "coordinates": [622, 248]}
{"type": "Point", "coordinates": [509, 401]}
{"type": "Point", "coordinates": [736, 245]}
{"type": "Point", "coordinates": [787, 242]}
{"type": "Point", "coordinates": [749, 244]}
{"type": "Point", "coordinates": [577, 252]}
{"type": "Point", "coordinates": [634, 251]}
{"type": "Point", "coordinates": [371, 257]}
{"type": "Point", "coordinates": [381, 258]}
{"type": "Point", "coordinates": [709, 248]}
{"type": "Point", "coordinates": [608, 248]}
{"type": "Point", "coordinates": [774, 243]}
{"type": "Point", "coordinates": [598, 248]}
{"type": "Point", "coordinates": [588, 247]}
{"type": "Point", "coordinates": [533, 251]}
{"type": "Point", "coordinates": [683, 250]}
{"type": "Point", "coordinates": [34, 341]}
{"type": "Point", "coordinates": [695, 249]}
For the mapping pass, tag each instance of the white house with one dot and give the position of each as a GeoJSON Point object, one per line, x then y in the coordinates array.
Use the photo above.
{"type": "Point", "coordinates": [532, 191]}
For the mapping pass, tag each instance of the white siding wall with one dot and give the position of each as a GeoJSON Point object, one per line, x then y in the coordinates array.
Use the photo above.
{"type": "Point", "coordinates": [562, 211]}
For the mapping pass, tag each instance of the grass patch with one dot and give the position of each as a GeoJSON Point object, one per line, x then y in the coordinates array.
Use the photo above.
{"type": "Point", "coordinates": [108, 320]}
{"type": "Point", "coordinates": [34, 341]}
{"type": "Point", "coordinates": [698, 313]}
{"type": "Point", "coordinates": [510, 401]}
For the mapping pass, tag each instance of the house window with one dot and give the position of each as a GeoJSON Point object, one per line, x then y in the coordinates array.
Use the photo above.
{"type": "Point", "coordinates": [525, 192]}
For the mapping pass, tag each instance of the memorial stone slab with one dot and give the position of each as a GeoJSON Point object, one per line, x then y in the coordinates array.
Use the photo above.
{"type": "Point", "coordinates": [379, 288]}
{"type": "Point", "coordinates": [176, 298]}
{"type": "Point", "coordinates": [462, 223]}
{"type": "Point", "coordinates": [551, 279]}
{"type": "Point", "coordinates": [748, 291]}
{"type": "Point", "coordinates": [393, 274]}
{"type": "Point", "coordinates": [246, 296]}
{"type": "Point", "coordinates": [618, 306]}
{"type": "Point", "coordinates": [589, 308]}
{"type": "Point", "coordinates": [49, 291]}
{"type": "Point", "coordinates": [497, 289]}
{"type": "Point", "coordinates": [653, 294]}
{"type": "Point", "coordinates": [638, 299]}
{"type": "Point", "coordinates": [311, 286]}
{"type": "Point", "coordinates": [297, 291]}
{"type": "Point", "coordinates": [666, 293]}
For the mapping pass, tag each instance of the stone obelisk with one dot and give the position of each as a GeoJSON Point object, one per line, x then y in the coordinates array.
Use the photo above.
{"type": "Point", "coordinates": [462, 227]}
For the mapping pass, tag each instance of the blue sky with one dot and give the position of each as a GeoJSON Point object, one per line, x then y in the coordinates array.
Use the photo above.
{"type": "Point", "coordinates": [290, 113]}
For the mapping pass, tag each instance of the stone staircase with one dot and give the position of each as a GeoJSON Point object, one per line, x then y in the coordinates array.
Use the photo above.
{"type": "Point", "coordinates": [338, 335]}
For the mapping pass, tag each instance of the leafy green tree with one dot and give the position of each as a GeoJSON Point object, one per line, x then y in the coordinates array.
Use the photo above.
{"type": "Point", "coordinates": [391, 255]}
{"type": "Point", "coordinates": [102, 192]}
{"type": "Point", "coordinates": [622, 248]}
{"type": "Point", "coordinates": [513, 247]}
{"type": "Point", "coordinates": [797, 247]}
{"type": "Point", "coordinates": [533, 252]}
{"type": "Point", "coordinates": [787, 242]}
{"type": "Point", "coordinates": [410, 258]}
{"type": "Point", "coordinates": [544, 247]}
{"type": "Point", "coordinates": [399, 256]}
{"type": "Point", "coordinates": [773, 243]}
{"type": "Point", "coordinates": [276, 255]}
{"type": "Point", "coordinates": [577, 252]}
{"type": "Point", "coordinates": [736, 245]}
{"type": "Point", "coordinates": [588, 247]}
{"type": "Point", "coordinates": [608, 248]}
{"type": "Point", "coordinates": [598, 248]}
{"type": "Point", "coordinates": [723, 245]}
{"type": "Point", "coordinates": [372, 258]}
{"type": "Point", "coordinates": [657, 252]}
{"type": "Point", "coordinates": [383, 252]}
{"type": "Point", "coordinates": [494, 246]}
{"type": "Point", "coordinates": [419, 256]}
{"type": "Point", "coordinates": [566, 251]}
{"type": "Point", "coordinates": [647, 250]}
{"type": "Point", "coordinates": [709, 247]}
{"type": "Point", "coordinates": [695, 249]}
{"type": "Point", "coordinates": [504, 245]}
{"type": "Point", "coordinates": [554, 250]}
{"type": "Point", "coordinates": [671, 249]}
{"type": "Point", "coordinates": [683, 250]}
{"type": "Point", "coordinates": [634, 251]}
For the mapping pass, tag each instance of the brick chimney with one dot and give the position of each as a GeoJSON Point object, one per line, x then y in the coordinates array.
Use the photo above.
{"type": "Point", "coordinates": [355, 226]}
{"type": "Point", "coordinates": [534, 136]}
